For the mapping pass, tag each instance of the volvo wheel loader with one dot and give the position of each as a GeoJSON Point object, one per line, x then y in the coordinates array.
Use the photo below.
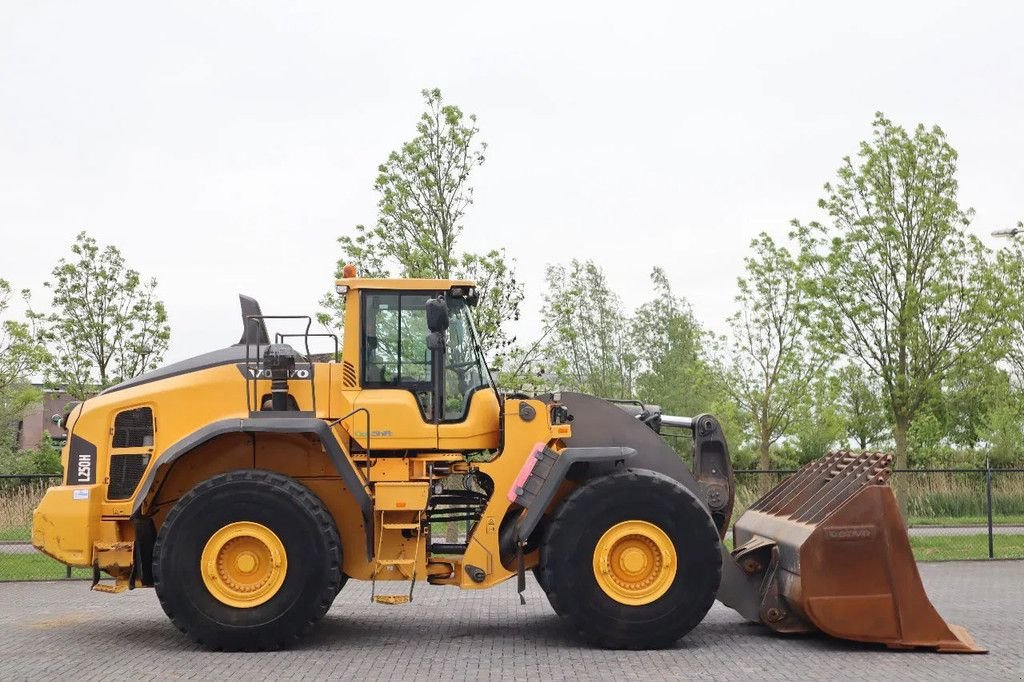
{"type": "Point", "coordinates": [247, 485]}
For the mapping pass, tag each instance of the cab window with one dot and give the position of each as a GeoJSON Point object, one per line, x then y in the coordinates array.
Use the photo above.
{"type": "Point", "coordinates": [465, 371]}
{"type": "Point", "coordinates": [395, 353]}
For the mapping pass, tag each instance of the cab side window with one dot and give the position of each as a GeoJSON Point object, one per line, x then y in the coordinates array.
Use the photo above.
{"type": "Point", "coordinates": [395, 353]}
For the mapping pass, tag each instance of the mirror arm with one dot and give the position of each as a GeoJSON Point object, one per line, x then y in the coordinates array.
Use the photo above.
{"type": "Point", "coordinates": [435, 342]}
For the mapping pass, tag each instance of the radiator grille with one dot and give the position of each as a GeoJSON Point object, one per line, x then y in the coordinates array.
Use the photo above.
{"type": "Point", "coordinates": [125, 473]}
{"type": "Point", "coordinates": [134, 428]}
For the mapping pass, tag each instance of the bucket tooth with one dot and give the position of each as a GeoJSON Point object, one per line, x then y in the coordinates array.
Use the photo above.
{"type": "Point", "coordinates": [831, 549]}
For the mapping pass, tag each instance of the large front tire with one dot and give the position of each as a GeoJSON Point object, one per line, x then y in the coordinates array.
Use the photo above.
{"type": "Point", "coordinates": [633, 560]}
{"type": "Point", "coordinates": [538, 575]}
{"type": "Point", "coordinates": [247, 560]}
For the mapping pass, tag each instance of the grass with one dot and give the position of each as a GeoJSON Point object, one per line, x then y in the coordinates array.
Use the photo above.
{"type": "Point", "coordinates": [15, 534]}
{"type": "Point", "coordinates": [957, 547]}
{"type": "Point", "coordinates": [16, 505]}
{"type": "Point", "coordinates": [946, 547]}
{"type": "Point", "coordinates": [36, 567]}
{"type": "Point", "coordinates": [997, 520]}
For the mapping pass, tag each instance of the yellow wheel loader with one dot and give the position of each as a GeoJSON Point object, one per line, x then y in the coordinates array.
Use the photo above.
{"type": "Point", "coordinates": [247, 485]}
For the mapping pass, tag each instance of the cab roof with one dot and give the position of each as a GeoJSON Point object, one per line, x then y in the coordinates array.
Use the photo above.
{"type": "Point", "coordinates": [399, 284]}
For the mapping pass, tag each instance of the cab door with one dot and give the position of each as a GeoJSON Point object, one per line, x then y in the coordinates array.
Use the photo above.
{"type": "Point", "coordinates": [396, 372]}
{"type": "Point", "coordinates": [470, 411]}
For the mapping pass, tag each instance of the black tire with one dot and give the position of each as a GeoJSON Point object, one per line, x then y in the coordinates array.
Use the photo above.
{"type": "Point", "coordinates": [538, 574]}
{"type": "Point", "coordinates": [302, 523]}
{"type": "Point", "coordinates": [567, 556]}
{"type": "Point", "coordinates": [538, 570]}
{"type": "Point", "coordinates": [341, 583]}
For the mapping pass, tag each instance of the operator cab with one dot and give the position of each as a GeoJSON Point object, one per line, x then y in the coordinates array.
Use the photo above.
{"type": "Point", "coordinates": [421, 373]}
{"type": "Point", "coordinates": [396, 353]}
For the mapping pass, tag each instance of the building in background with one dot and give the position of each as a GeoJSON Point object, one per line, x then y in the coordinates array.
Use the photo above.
{"type": "Point", "coordinates": [38, 419]}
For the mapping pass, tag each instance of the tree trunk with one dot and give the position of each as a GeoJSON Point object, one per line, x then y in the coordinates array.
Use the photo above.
{"type": "Point", "coordinates": [900, 436]}
{"type": "Point", "coordinates": [896, 482]}
{"type": "Point", "coordinates": [764, 460]}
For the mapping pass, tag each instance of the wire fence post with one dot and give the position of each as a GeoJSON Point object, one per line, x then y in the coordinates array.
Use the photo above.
{"type": "Point", "coordinates": [988, 496]}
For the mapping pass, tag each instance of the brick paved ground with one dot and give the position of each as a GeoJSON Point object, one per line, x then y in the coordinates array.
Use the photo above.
{"type": "Point", "coordinates": [52, 630]}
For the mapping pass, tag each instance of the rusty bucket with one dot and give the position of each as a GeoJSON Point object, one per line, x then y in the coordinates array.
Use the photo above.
{"type": "Point", "coordinates": [830, 548]}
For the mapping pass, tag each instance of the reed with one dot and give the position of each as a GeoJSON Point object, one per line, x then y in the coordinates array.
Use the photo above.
{"type": "Point", "coordinates": [17, 501]}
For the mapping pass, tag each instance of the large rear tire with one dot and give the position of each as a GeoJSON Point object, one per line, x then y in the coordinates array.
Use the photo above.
{"type": "Point", "coordinates": [247, 560]}
{"type": "Point", "coordinates": [632, 560]}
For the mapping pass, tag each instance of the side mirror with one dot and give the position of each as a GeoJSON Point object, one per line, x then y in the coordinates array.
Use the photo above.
{"type": "Point", "coordinates": [437, 315]}
{"type": "Point", "coordinates": [435, 341]}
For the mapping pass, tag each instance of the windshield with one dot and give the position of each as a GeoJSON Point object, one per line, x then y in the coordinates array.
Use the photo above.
{"type": "Point", "coordinates": [465, 369]}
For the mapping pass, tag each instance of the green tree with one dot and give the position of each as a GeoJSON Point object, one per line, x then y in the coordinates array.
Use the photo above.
{"type": "Point", "coordinates": [523, 367]}
{"type": "Point", "coordinates": [1004, 432]}
{"type": "Point", "coordinates": [676, 362]}
{"type": "Point", "coordinates": [772, 363]}
{"type": "Point", "coordinates": [820, 426]}
{"type": "Point", "coordinates": [42, 458]}
{"type": "Point", "coordinates": [21, 356]}
{"type": "Point", "coordinates": [902, 289]}
{"type": "Point", "coordinates": [424, 192]}
{"type": "Point", "coordinates": [675, 367]}
{"type": "Point", "coordinates": [106, 323]}
{"type": "Point", "coordinates": [926, 444]}
{"type": "Point", "coordinates": [864, 414]}
{"type": "Point", "coordinates": [587, 340]}
{"type": "Point", "coordinates": [670, 342]}
{"type": "Point", "coordinates": [1010, 263]}
{"type": "Point", "coordinates": [500, 297]}
{"type": "Point", "coordinates": [969, 396]}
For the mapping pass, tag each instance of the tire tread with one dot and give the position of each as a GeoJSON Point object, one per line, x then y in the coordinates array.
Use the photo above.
{"type": "Point", "coordinates": [303, 497]}
{"type": "Point", "coordinates": [565, 523]}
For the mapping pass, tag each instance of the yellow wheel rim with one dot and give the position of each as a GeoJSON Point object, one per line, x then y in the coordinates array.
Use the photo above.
{"type": "Point", "coordinates": [243, 564]}
{"type": "Point", "coordinates": [635, 562]}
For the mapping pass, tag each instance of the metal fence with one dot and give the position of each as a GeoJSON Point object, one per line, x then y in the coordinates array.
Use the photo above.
{"type": "Point", "coordinates": [951, 513]}
{"type": "Point", "coordinates": [19, 495]}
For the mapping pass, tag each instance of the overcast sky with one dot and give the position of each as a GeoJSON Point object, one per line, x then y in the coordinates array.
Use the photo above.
{"type": "Point", "coordinates": [225, 146]}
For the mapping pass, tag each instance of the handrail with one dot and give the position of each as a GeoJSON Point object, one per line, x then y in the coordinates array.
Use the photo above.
{"type": "Point", "coordinates": [280, 337]}
{"type": "Point", "coordinates": [250, 399]}
{"type": "Point", "coordinates": [357, 410]}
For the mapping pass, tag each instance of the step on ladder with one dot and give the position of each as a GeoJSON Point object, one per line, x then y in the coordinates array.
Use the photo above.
{"type": "Point", "coordinates": [394, 503]}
